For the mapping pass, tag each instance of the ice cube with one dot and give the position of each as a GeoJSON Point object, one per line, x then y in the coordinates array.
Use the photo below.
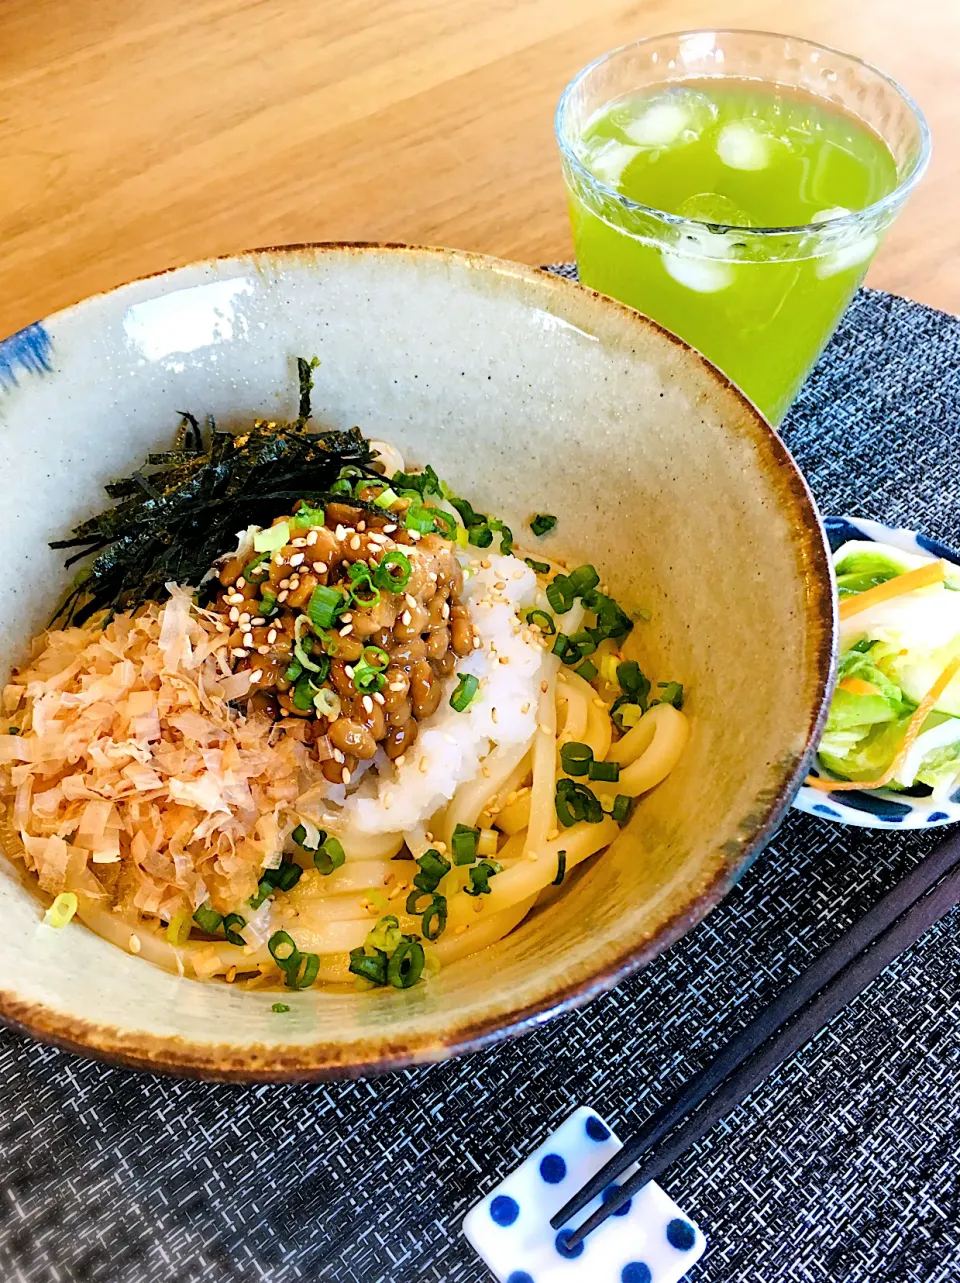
{"type": "Point", "coordinates": [676, 116]}
{"type": "Point", "coordinates": [710, 207]}
{"type": "Point", "coordinates": [741, 145]}
{"type": "Point", "coordinates": [828, 215]}
{"type": "Point", "coordinates": [705, 275]}
{"type": "Point", "coordinates": [842, 260]}
{"type": "Point", "coordinates": [606, 158]}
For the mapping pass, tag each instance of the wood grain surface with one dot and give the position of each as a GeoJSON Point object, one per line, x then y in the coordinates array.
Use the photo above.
{"type": "Point", "coordinates": [139, 134]}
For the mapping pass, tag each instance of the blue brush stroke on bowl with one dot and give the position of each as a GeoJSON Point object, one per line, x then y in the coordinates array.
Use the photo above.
{"type": "Point", "coordinates": [882, 808]}
{"type": "Point", "coordinates": [28, 350]}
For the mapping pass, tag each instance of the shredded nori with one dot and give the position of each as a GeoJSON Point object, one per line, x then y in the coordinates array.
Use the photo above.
{"type": "Point", "coordinates": [171, 525]}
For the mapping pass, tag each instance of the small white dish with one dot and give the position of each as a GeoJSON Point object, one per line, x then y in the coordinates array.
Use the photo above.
{"type": "Point", "coordinates": [880, 808]}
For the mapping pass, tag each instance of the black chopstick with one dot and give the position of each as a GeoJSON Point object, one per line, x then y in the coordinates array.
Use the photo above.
{"type": "Point", "coordinates": [736, 1065]}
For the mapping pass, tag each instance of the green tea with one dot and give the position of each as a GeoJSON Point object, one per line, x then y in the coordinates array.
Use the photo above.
{"type": "Point", "coordinates": [733, 154]}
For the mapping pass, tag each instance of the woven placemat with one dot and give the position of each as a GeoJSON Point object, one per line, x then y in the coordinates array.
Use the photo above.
{"type": "Point", "coordinates": [841, 1168]}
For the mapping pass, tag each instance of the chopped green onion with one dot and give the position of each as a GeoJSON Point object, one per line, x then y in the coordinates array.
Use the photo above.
{"type": "Point", "coordinates": [65, 906]}
{"type": "Point", "coordinates": [268, 605]}
{"type": "Point", "coordinates": [467, 687]}
{"type": "Point", "coordinates": [272, 539]}
{"type": "Point", "coordinates": [480, 875]}
{"type": "Point", "coordinates": [542, 524]}
{"type": "Point", "coordinates": [363, 591]}
{"type": "Point", "coordinates": [561, 868]}
{"type": "Point", "coordinates": [587, 670]}
{"type": "Point", "coordinates": [434, 921]}
{"type": "Point", "coordinates": [583, 579]}
{"type": "Point", "coordinates": [178, 928]}
{"type": "Point", "coordinates": [488, 843]}
{"type": "Point", "coordinates": [575, 758]}
{"type": "Point", "coordinates": [14, 730]}
{"type": "Point", "coordinates": [622, 805]}
{"type": "Point", "coordinates": [366, 678]}
{"type": "Point", "coordinates": [464, 844]}
{"type": "Point", "coordinates": [324, 606]}
{"type": "Point", "coordinates": [282, 948]}
{"type": "Point", "coordinates": [264, 888]}
{"type": "Point", "coordinates": [386, 497]}
{"type": "Point", "coordinates": [393, 572]}
{"type": "Point", "coordinates": [467, 514]}
{"type": "Point", "coordinates": [299, 835]}
{"type": "Point", "coordinates": [538, 567]}
{"type": "Point", "coordinates": [301, 971]}
{"type": "Point", "coordinates": [287, 876]}
{"type": "Point", "coordinates": [433, 869]}
{"type": "Point", "coordinates": [481, 536]}
{"type": "Point", "coordinates": [625, 712]}
{"type": "Point", "coordinates": [612, 620]}
{"type": "Point", "coordinates": [327, 704]}
{"type": "Point", "coordinates": [672, 694]}
{"type": "Point", "coordinates": [303, 658]}
{"type": "Point", "coordinates": [423, 483]}
{"type": "Point", "coordinates": [371, 967]}
{"type": "Point", "coordinates": [572, 650]}
{"type": "Point", "coordinates": [462, 537]}
{"type": "Point", "coordinates": [330, 856]}
{"type": "Point", "coordinates": [230, 922]}
{"type": "Point", "coordinates": [506, 536]}
{"type": "Point", "coordinates": [606, 772]}
{"type": "Point", "coordinates": [633, 682]}
{"type": "Point", "coordinates": [385, 935]}
{"type": "Point", "coordinates": [253, 572]}
{"type": "Point", "coordinates": [559, 595]}
{"type": "Point", "coordinates": [304, 692]}
{"type": "Point", "coordinates": [279, 1007]}
{"type": "Point", "coordinates": [575, 802]}
{"type": "Point", "coordinates": [208, 919]}
{"type": "Point", "coordinates": [307, 516]}
{"type": "Point", "coordinates": [412, 904]}
{"type": "Point", "coordinates": [293, 671]}
{"type": "Point", "coordinates": [444, 524]}
{"type": "Point", "coordinates": [543, 621]}
{"type": "Point", "coordinates": [342, 486]}
{"type": "Point", "coordinates": [420, 519]}
{"type": "Point", "coordinates": [406, 963]}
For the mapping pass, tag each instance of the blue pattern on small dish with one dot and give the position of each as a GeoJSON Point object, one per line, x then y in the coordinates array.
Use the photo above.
{"type": "Point", "coordinates": [881, 808]}
{"type": "Point", "coordinates": [29, 349]}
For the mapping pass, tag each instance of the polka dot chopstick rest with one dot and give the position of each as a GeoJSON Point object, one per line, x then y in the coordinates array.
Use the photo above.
{"type": "Point", "coordinates": [650, 1240]}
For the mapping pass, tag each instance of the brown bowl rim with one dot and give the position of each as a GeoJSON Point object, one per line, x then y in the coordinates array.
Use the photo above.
{"type": "Point", "coordinates": [319, 1061]}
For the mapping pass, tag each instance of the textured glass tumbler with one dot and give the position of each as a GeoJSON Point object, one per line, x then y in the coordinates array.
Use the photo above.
{"type": "Point", "coordinates": [760, 302]}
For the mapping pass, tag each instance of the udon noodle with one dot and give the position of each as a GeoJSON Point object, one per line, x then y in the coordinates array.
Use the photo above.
{"type": "Point", "coordinates": [365, 758]}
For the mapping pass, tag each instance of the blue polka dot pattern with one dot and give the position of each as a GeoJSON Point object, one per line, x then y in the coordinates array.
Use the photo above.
{"type": "Point", "coordinates": [553, 1169]}
{"type": "Point", "coordinates": [825, 810]}
{"type": "Point", "coordinates": [635, 1272]}
{"type": "Point", "coordinates": [560, 1243]}
{"type": "Point", "coordinates": [504, 1210]}
{"type": "Point", "coordinates": [519, 1276]}
{"type": "Point", "coordinates": [936, 816]}
{"type": "Point", "coordinates": [680, 1235]}
{"type": "Point", "coordinates": [596, 1130]}
{"type": "Point", "coordinates": [609, 1192]}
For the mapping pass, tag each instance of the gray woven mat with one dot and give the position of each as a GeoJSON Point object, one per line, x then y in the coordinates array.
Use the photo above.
{"type": "Point", "coordinates": [841, 1168]}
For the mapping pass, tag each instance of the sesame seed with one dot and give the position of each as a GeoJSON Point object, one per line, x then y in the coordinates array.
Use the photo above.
{"type": "Point", "coordinates": [337, 755]}
{"type": "Point", "coordinates": [441, 848]}
{"type": "Point", "coordinates": [294, 583]}
{"type": "Point", "coordinates": [298, 543]}
{"type": "Point", "coordinates": [345, 776]}
{"type": "Point", "coordinates": [234, 615]}
{"type": "Point", "coordinates": [486, 563]}
{"type": "Point", "coordinates": [255, 676]}
{"type": "Point", "coordinates": [477, 643]}
{"type": "Point", "coordinates": [239, 653]}
{"type": "Point", "coordinates": [345, 632]}
{"type": "Point", "coordinates": [399, 761]}
{"type": "Point", "coordinates": [134, 944]}
{"type": "Point", "coordinates": [341, 532]}
{"type": "Point", "coordinates": [494, 716]}
{"type": "Point", "coordinates": [347, 618]}
{"type": "Point", "coordinates": [554, 833]}
{"type": "Point", "coordinates": [368, 703]}
{"type": "Point", "coordinates": [397, 686]}
{"type": "Point", "coordinates": [428, 835]}
{"type": "Point", "coordinates": [500, 585]}
{"type": "Point", "coordinates": [410, 600]}
{"type": "Point", "coordinates": [445, 612]}
{"type": "Point", "coordinates": [376, 537]}
{"type": "Point", "coordinates": [387, 803]}
{"type": "Point", "coordinates": [297, 559]}
{"type": "Point", "coordinates": [423, 766]}
{"type": "Point", "coordinates": [272, 636]}
{"type": "Point", "coordinates": [432, 576]}
{"type": "Point", "coordinates": [478, 906]}
{"type": "Point", "coordinates": [320, 567]}
{"type": "Point", "coordinates": [234, 598]}
{"type": "Point", "coordinates": [405, 618]}
{"type": "Point", "coordinates": [263, 650]}
{"type": "Point", "coordinates": [355, 543]}
{"type": "Point", "coordinates": [378, 697]}
{"type": "Point", "coordinates": [284, 583]}
{"type": "Point", "coordinates": [532, 855]}
{"type": "Point", "coordinates": [282, 597]}
{"type": "Point", "coordinates": [348, 669]}
{"type": "Point", "coordinates": [361, 525]}
{"type": "Point", "coordinates": [231, 975]}
{"type": "Point", "coordinates": [388, 530]}
{"type": "Point", "coordinates": [258, 622]}
{"type": "Point", "coordinates": [245, 617]}
{"type": "Point", "coordinates": [460, 929]}
{"type": "Point", "coordinates": [248, 639]}
{"type": "Point", "coordinates": [504, 659]}
{"type": "Point", "coordinates": [240, 583]}
{"type": "Point", "coordinates": [414, 535]}
{"type": "Point", "coordinates": [312, 538]}
{"type": "Point", "coordinates": [510, 798]}
{"type": "Point", "coordinates": [544, 686]}
{"type": "Point", "coordinates": [599, 702]}
{"type": "Point", "coordinates": [525, 708]}
{"type": "Point", "coordinates": [485, 771]}
{"type": "Point", "coordinates": [545, 729]}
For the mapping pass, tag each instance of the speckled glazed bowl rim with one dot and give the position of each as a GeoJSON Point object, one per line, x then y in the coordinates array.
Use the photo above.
{"type": "Point", "coordinates": [293, 1063]}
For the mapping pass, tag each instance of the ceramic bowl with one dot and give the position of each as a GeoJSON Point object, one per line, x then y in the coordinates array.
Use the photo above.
{"type": "Point", "coordinates": [880, 808]}
{"type": "Point", "coordinates": [528, 393]}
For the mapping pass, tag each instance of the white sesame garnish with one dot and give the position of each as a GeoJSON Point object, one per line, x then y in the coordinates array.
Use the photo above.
{"type": "Point", "coordinates": [245, 617]}
{"type": "Point", "coordinates": [284, 583]}
{"type": "Point", "coordinates": [282, 597]}
{"type": "Point", "coordinates": [410, 600]}
{"type": "Point", "coordinates": [234, 599]}
{"type": "Point", "coordinates": [345, 776]}
{"type": "Point", "coordinates": [423, 766]}
{"type": "Point", "coordinates": [347, 618]}
{"type": "Point", "coordinates": [388, 530]}
{"type": "Point", "coordinates": [234, 615]}
{"type": "Point", "coordinates": [294, 583]}
{"type": "Point", "coordinates": [494, 716]}
{"type": "Point", "coordinates": [337, 755]}
{"type": "Point", "coordinates": [397, 686]}
{"type": "Point", "coordinates": [341, 532]}
{"type": "Point", "coordinates": [445, 612]}
{"type": "Point", "coordinates": [297, 559]}
{"type": "Point", "coordinates": [240, 583]}
{"type": "Point", "coordinates": [258, 622]}
{"type": "Point", "coordinates": [486, 563]}
{"type": "Point", "coordinates": [355, 543]}
{"type": "Point", "coordinates": [368, 703]}
{"type": "Point", "coordinates": [272, 636]}
{"type": "Point", "coordinates": [263, 650]}
{"type": "Point", "coordinates": [544, 729]}
{"type": "Point", "coordinates": [376, 537]}
{"type": "Point", "coordinates": [255, 676]}
{"type": "Point", "coordinates": [348, 669]}
{"type": "Point", "coordinates": [477, 643]}
{"type": "Point", "coordinates": [248, 639]}
{"type": "Point", "coordinates": [525, 708]}
{"type": "Point", "coordinates": [399, 761]}
{"type": "Point", "coordinates": [238, 652]}
{"type": "Point", "coordinates": [312, 538]}
{"type": "Point", "coordinates": [532, 855]}
{"type": "Point", "coordinates": [361, 525]}
{"type": "Point", "coordinates": [345, 632]}
{"type": "Point", "coordinates": [378, 697]}
{"type": "Point", "coordinates": [134, 944]}
{"type": "Point", "coordinates": [405, 618]}
{"type": "Point", "coordinates": [414, 535]}
{"type": "Point", "coordinates": [320, 567]}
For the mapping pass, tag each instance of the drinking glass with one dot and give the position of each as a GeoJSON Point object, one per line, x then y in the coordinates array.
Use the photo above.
{"type": "Point", "coordinates": [760, 302]}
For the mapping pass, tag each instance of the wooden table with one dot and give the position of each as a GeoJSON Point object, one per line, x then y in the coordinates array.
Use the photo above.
{"type": "Point", "coordinates": [138, 134]}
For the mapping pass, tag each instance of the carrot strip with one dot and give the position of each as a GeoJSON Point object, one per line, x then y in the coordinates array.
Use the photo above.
{"type": "Point", "coordinates": [914, 727]}
{"type": "Point", "coordinates": [857, 686]}
{"type": "Point", "coordinates": [923, 577]}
